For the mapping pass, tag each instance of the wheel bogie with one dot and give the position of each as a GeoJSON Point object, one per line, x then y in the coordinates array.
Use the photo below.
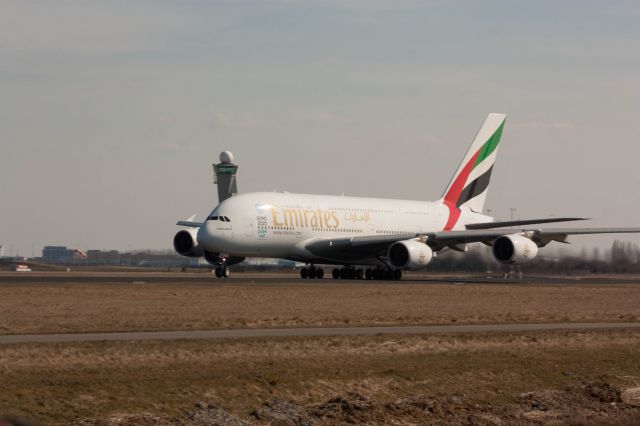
{"type": "Point", "coordinates": [350, 273]}
{"type": "Point", "coordinates": [312, 272]}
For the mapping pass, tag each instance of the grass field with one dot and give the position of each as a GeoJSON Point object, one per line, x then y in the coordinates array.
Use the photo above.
{"type": "Point", "coordinates": [47, 308]}
{"type": "Point", "coordinates": [561, 377]}
{"type": "Point", "coordinates": [493, 378]}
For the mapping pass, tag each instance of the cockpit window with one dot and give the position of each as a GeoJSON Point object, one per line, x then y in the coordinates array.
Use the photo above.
{"type": "Point", "coordinates": [220, 218]}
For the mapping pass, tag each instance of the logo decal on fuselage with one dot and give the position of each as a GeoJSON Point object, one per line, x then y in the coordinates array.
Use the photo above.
{"type": "Point", "coordinates": [304, 218]}
{"type": "Point", "coordinates": [262, 226]}
{"type": "Point", "coordinates": [283, 218]}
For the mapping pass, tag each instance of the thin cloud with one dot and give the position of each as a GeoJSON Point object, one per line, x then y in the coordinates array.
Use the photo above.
{"type": "Point", "coordinates": [87, 28]}
{"type": "Point", "coordinates": [238, 120]}
{"type": "Point", "coordinates": [175, 147]}
{"type": "Point", "coordinates": [547, 125]}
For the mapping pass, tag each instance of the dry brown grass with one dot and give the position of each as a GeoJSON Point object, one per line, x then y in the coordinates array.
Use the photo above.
{"type": "Point", "coordinates": [63, 383]}
{"type": "Point", "coordinates": [46, 308]}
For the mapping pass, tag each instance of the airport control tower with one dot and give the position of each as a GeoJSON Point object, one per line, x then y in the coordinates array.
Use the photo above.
{"type": "Point", "coordinates": [225, 176]}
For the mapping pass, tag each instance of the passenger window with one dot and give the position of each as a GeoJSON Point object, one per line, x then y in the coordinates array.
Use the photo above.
{"type": "Point", "coordinates": [227, 219]}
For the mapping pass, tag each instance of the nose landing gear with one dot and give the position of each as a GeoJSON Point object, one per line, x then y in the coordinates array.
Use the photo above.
{"type": "Point", "coordinates": [223, 271]}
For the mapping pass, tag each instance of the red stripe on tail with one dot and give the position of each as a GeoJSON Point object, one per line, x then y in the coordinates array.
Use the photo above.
{"type": "Point", "coordinates": [454, 192]}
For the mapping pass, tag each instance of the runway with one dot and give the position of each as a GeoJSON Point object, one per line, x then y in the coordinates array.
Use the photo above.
{"type": "Point", "coordinates": [292, 278]}
{"type": "Point", "coordinates": [309, 332]}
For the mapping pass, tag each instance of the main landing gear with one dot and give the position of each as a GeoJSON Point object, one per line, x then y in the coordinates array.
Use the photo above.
{"type": "Point", "coordinates": [369, 274]}
{"type": "Point", "coordinates": [312, 272]}
{"type": "Point", "coordinates": [351, 273]}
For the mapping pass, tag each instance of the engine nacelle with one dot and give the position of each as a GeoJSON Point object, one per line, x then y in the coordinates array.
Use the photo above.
{"type": "Point", "coordinates": [514, 249]}
{"type": "Point", "coordinates": [409, 254]}
{"type": "Point", "coordinates": [185, 243]}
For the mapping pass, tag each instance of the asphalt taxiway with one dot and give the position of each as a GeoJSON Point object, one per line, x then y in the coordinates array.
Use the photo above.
{"type": "Point", "coordinates": [309, 332]}
{"type": "Point", "coordinates": [292, 278]}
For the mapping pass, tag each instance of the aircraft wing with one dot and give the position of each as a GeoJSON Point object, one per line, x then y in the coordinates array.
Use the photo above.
{"type": "Point", "coordinates": [360, 247]}
{"type": "Point", "coordinates": [512, 223]}
{"type": "Point", "coordinates": [354, 248]}
{"type": "Point", "coordinates": [190, 222]}
{"type": "Point", "coordinates": [540, 236]}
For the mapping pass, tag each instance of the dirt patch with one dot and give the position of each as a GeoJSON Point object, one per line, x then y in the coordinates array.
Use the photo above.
{"type": "Point", "coordinates": [631, 396]}
{"type": "Point", "coordinates": [578, 403]}
{"type": "Point", "coordinates": [209, 414]}
{"type": "Point", "coordinates": [587, 402]}
{"type": "Point", "coordinates": [489, 378]}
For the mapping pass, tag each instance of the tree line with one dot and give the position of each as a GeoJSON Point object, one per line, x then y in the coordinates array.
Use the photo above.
{"type": "Point", "coordinates": [622, 257]}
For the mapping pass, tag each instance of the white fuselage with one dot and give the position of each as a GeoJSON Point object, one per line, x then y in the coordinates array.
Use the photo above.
{"type": "Point", "coordinates": [272, 224]}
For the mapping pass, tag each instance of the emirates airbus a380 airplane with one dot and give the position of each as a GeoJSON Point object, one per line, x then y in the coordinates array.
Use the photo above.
{"type": "Point", "coordinates": [369, 237]}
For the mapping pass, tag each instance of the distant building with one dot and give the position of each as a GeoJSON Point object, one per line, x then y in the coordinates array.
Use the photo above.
{"type": "Point", "coordinates": [57, 254]}
{"type": "Point", "coordinates": [148, 259]}
{"type": "Point", "coordinates": [100, 257]}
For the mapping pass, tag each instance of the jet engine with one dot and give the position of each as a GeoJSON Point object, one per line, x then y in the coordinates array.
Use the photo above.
{"type": "Point", "coordinates": [409, 254]}
{"type": "Point", "coordinates": [185, 243]}
{"type": "Point", "coordinates": [514, 249]}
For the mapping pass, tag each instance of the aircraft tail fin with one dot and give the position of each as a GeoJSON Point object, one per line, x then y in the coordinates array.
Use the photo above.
{"type": "Point", "coordinates": [469, 185]}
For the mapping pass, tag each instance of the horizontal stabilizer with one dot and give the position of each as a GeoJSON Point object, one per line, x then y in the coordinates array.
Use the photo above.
{"type": "Point", "coordinates": [507, 223]}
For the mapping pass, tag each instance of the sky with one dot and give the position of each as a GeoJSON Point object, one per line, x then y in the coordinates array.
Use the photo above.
{"type": "Point", "coordinates": [111, 112]}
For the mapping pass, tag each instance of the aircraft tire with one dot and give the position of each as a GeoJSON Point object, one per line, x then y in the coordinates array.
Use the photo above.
{"type": "Point", "coordinates": [368, 274]}
{"type": "Point", "coordinates": [304, 273]}
{"type": "Point", "coordinates": [319, 273]}
{"type": "Point", "coordinates": [335, 273]}
{"type": "Point", "coordinates": [218, 272]}
{"type": "Point", "coordinates": [359, 274]}
{"type": "Point", "coordinates": [226, 272]}
{"type": "Point", "coordinates": [397, 275]}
